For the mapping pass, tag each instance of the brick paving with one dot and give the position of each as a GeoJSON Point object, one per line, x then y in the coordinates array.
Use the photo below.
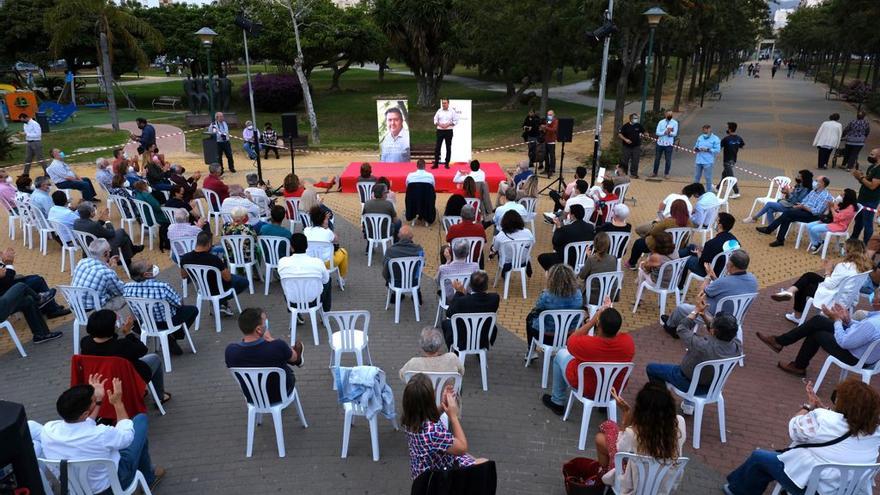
{"type": "Point", "coordinates": [201, 441]}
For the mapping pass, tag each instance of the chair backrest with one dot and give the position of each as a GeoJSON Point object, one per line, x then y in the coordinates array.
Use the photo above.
{"type": "Point", "coordinates": [854, 479]}
{"type": "Point", "coordinates": [530, 204]}
{"type": "Point", "coordinates": [671, 272]}
{"type": "Point", "coordinates": [262, 202]}
{"type": "Point", "coordinates": [377, 226]}
{"type": "Point", "coordinates": [438, 379]}
{"type": "Point", "coordinates": [562, 321]}
{"type": "Point", "coordinates": [405, 272]}
{"type": "Point", "coordinates": [65, 233]}
{"type": "Point", "coordinates": [650, 475]}
{"type": "Point", "coordinates": [126, 209]}
{"type": "Point", "coordinates": [579, 252]}
{"type": "Point", "coordinates": [475, 247]}
{"type": "Point", "coordinates": [848, 291]}
{"type": "Point", "coordinates": [202, 275]}
{"type": "Point", "coordinates": [239, 249]}
{"type": "Point", "coordinates": [38, 218]}
{"type": "Point", "coordinates": [725, 188]}
{"type": "Point", "coordinates": [170, 212]}
{"type": "Point", "coordinates": [738, 305]}
{"type": "Point", "coordinates": [365, 191]}
{"type": "Point", "coordinates": [464, 279]}
{"type": "Point", "coordinates": [83, 239]}
{"type": "Point", "coordinates": [302, 292]}
{"type": "Point", "coordinates": [606, 376]}
{"type": "Point", "coordinates": [776, 185]}
{"type": "Point", "coordinates": [292, 208]}
{"type": "Point", "coordinates": [181, 246]}
{"type": "Point", "coordinates": [474, 203]}
{"type": "Point", "coordinates": [149, 312]}
{"type": "Point", "coordinates": [321, 250]}
{"type": "Point", "coordinates": [213, 199]}
{"type": "Point", "coordinates": [720, 369]}
{"type": "Point", "coordinates": [80, 298]}
{"type": "Point", "coordinates": [517, 253]}
{"type": "Point", "coordinates": [347, 322]}
{"type": "Point", "coordinates": [726, 256]}
{"type": "Point", "coordinates": [450, 220]}
{"type": "Point", "coordinates": [254, 385]}
{"type": "Point", "coordinates": [11, 208]}
{"type": "Point", "coordinates": [678, 236]}
{"type": "Point", "coordinates": [607, 284]}
{"type": "Point", "coordinates": [78, 474]}
{"type": "Point", "coordinates": [474, 325]}
{"type": "Point", "coordinates": [620, 191]}
{"type": "Point", "coordinates": [304, 218]}
{"type": "Point", "coordinates": [274, 248]}
{"type": "Point", "coordinates": [148, 218]}
{"type": "Point", "coordinates": [710, 216]}
{"type": "Point", "coordinates": [619, 243]}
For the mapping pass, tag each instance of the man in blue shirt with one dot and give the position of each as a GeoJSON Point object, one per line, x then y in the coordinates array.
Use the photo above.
{"type": "Point", "coordinates": [667, 131]}
{"type": "Point", "coordinates": [148, 136]}
{"type": "Point", "coordinates": [814, 204]}
{"type": "Point", "coordinates": [707, 147]}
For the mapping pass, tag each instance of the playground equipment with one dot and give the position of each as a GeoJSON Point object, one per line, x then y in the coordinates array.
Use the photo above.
{"type": "Point", "coordinates": [15, 102]}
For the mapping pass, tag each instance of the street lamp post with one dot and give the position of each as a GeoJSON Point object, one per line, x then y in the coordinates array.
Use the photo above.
{"type": "Point", "coordinates": [654, 15]}
{"type": "Point", "coordinates": [206, 36]}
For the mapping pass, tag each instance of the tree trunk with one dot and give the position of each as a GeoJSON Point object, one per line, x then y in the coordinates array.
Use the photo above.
{"type": "Point", "coordinates": [303, 80]}
{"type": "Point", "coordinates": [846, 62]}
{"type": "Point", "coordinates": [513, 101]}
{"type": "Point", "coordinates": [876, 79]}
{"type": "Point", "coordinates": [546, 73]}
{"type": "Point", "coordinates": [859, 69]}
{"type": "Point", "coordinates": [509, 89]}
{"type": "Point", "coordinates": [383, 64]}
{"type": "Point", "coordinates": [661, 80]}
{"type": "Point", "coordinates": [833, 70]}
{"type": "Point", "coordinates": [337, 73]}
{"type": "Point", "coordinates": [694, 70]}
{"type": "Point", "coordinates": [682, 72]}
{"type": "Point", "coordinates": [429, 88]}
{"type": "Point", "coordinates": [107, 72]}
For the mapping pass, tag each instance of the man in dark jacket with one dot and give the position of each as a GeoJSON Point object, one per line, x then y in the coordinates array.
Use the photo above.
{"type": "Point", "coordinates": [36, 283]}
{"type": "Point", "coordinates": [102, 229]}
{"type": "Point", "coordinates": [531, 134]}
{"type": "Point", "coordinates": [403, 248]}
{"type": "Point", "coordinates": [477, 301]}
{"type": "Point", "coordinates": [576, 231]}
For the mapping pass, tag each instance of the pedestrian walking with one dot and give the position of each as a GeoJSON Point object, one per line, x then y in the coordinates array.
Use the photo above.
{"type": "Point", "coordinates": [854, 135]}
{"type": "Point", "coordinates": [828, 138]}
{"type": "Point", "coordinates": [731, 144]}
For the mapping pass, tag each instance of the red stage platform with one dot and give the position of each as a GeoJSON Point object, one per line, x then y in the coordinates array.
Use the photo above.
{"type": "Point", "coordinates": [397, 172]}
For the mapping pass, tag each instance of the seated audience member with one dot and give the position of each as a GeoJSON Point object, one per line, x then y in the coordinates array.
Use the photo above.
{"type": "Point", "coordinates": [814, 204]}
{"type": "Point", "coordinates": [719, 343]}
{"type": "Point", "coordinates": [24, 184]}
{"type": "Point", "coordinates": [458, 265]}
{"type": "Point", "coordinates": [239, 226]}
{"type": "Point", "coordinates": [469, 188]}
{"type": "Point", "coordinates": [62, 214]}
{"type": "Point", "coordinates": [420, 175]}
{"type": "Point", "coordinates": [620, 175]}
{"type": "Point", "coordinates": [255, 193]}
{"type": "Point", "coordinates": [738, 281]}
{"type": "Point", "coordinates": [403, 248]}
{"type": "Point", "coordinates": [678, 217]}
{"type": "Point", "coordinates": [20, 298]}
{"type": "Point", "coordinates": [456, 202]}
{"type": "Point", "coordinates": [102, 228]}
{"type": "Point", "coordinates": [841, 215]}
{"type": "Point", "coordinates": [366, 175]}
{"type": "Point", "coordinates": [45, 297]}
{"type": "Point", "coordinates": [512, 229]}
{"type": "Point", "coordinates": [650, 428]}
{"type": "Point", "coordinates": [202, 255]}
{"type": "Point", "coordinates": [420, 195]}
{"type": "Point", "coordinates": [649, 268]}
{"type": "Point", "coordinates": [182, 228]}
{"type": "Point", "coordinates": [706, 201]}
{"type": "Point", "coordinates": [699, 258]}
{"type": "Point", "coordinates": [65, 178]}
{"type": "Point", "coordinates": [433, 445]}
{"type": "Point", "coordinates": [664, 210]}
{"type": "Point", "coordinates": [474, 173]}
{"type": "Point", "coordinates": [320, 232]}
{"type": "Point", "coordinates": [77, 436]}
{"type": "Point", "coordinates": [311, 199]}
{"type": "Point", "coordinates": [41, 197]}
{"type": "Point", "coordinates": [606, 346]}
{"type": "Point", "coordinates": [580, 174]}
{"type": "Point", "coordinates": [102, 340]}
{"type": "Point", "coordinates": [823, 288]}
{"type": "Point", "coordinates": [300, 264]}
{"type": "Point", "coordinates": [792, 195]}
{"type": "Point", "coordinates": [603, 196]}
{"type": "Point", "coordinates": [468, 227]}
{"type": "Point", "coordinates": [96, 272]}
{"type": "Point", "coordinates": [601, 260]}
{"type": "Point", "coordinates": [577, 230]}
{"type": "Point", "coordinates": [476, 299]}
{"type": "Point", "coordinates": [618, 222]}
{"type": "Point", "coordinates": [157, 217]}
{"type": "Point", "coordinates": [235, 200]}
{"type": "Point", "coordinates": [292, 187]}
{"type": "Point", "coordinates": [104, 172]}
{"type": "Point", "coordinates": [851, 423]}
{"type": "Point", "coordinates": [214, 182]}
{"type": "Point", "coordinates": [274, 227]}
{"type": "Point", "coordinates": [259, 349]}
{"type": "Point", "coordinates": [190, 186]}
{"type": "Point", "coordinates": [582, 199]}
{"type": "Point", "coordinates": [7, 189]}
{"type": "Point", "coordinates": [562, 292]}
{"type": "Point", "coordinates": [390, 196]}
{"type": "Point", "coordinates": [479, 188]}
{"type": "Point", "coordinates": [835, 331]}
{"type": "Point", "coordinates": [145, 285]}
{"type": "Point", "coordinates": [157, 174]}
{"type": "Point", "coordinates": [380, 204]}
{"type": "Point", "coordinates": [433, 359]}
{"type": "Point", "coordinates": [119, 187]}
{"type": "Point", "coordinates": [177, 201]}
{"type": "Point", "coordinates": [513, 180]}
{"type": "Point", "coordinates": [509, 205]}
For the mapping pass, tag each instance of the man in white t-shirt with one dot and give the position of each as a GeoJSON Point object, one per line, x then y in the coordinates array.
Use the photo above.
{"type": "Point", "coordinates": [420, 175]}
{"type": "Point", "coordinates": [62, 214]}
{"type": "Point", "coordinates": [300, 264]}
{"type": "Point", "coordinates": [477, 174]}
{"type": "Point", "coordinates": [581, 198]}
{"type": "Point", "coordinates": [510, 204]}
{"type": "Point", "coordinates": [445, 120]}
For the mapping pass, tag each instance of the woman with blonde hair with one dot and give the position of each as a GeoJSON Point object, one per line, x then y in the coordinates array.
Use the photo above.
{"type": "Point", "coordinates": [823, 288]}
{"type": "Point", "coordinates": [563, 292]}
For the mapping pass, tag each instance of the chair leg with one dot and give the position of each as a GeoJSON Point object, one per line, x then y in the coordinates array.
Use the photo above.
{"type": "Point", "coordinates": [250, 275]}
{"type": "Point", "coordinates": [568, 405]}
{"type": "Point", "coordinates": [821, 377]}
{"type": "Point", "coordinates": [313, 315]}
{"type": "Point", "coordinates": [662, 296]}
{"type": "Point", "coordinates": [166, 354]}
{"type": "Point", "coordinates": [279, 431]}
{"type": "Point", "coordinates": [189, 338]}
{"type": "Point", "coordinates": [638, 297]}
{"type": "Point", "coordinates": [437, 318]}
{"type": "Point", "coordinates": [346, 432]}
{"type": "Point", "coordinates": [506, 283]}
{"type": "Point", "coordinates": [293, 314]}
{"type": "Point", "coordinates": [299, 409]}
{"type": "Point", "coordinates": [369, 253]}
{"type": "Point", "coordinates": [199, 306]}
{"type": "Point", "coordinates": [216, 304]}
{"type": "Point", "coordinates": [585, 426]}
{"type": "Point", "coordinates": [75, 337]}
{"type": "Point", "coordinates": [721, 419]}
{"type": "Point", "coordinates": [415, 298]}
{"type": "Point", "coordinates": [698, 422]}
{"type": "Point", "coordinates": [483, 370]}
{"type": "Point", "coordinates": [251, 419]}
{"type": "Point", "coordinates": [522, 275]}
{"type": "Point", "coordinates": [545, 371]}
{"type": "Point", "coordinates": [237, 303]}
{"type": "Point", "coordinates": [825, 246]}
{"type": "Point", "coordinates": [397, 307]}
{"type": "Point", "coordinates": [156, 398]}
{"type": "Point", "coordinates": [374, 436]}
{"type": "Point", "coordinates": [268, 278]}
{"type": "Point", "coordinates": [387, 298]}
{"type": "Point", "coordinates": [528, 353]}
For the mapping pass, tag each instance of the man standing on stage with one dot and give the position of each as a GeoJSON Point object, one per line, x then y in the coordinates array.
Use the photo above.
{"type": "Point", "coordinates": [395, 145]}
{"type": "Point", "coordinates": [445, 119]}
{"type": "Point", "coordinates": [531, 133]}
{"type": "Point", "coordinates": [550, 126]}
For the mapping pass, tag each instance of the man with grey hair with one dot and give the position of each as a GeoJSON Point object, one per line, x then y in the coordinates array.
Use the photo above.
{"type": "Point", "coordinates": [104, 174]}
{"type": "Point", "coordinates": [103, 229]}
{"type": "Point", "coordinates": [514, 177]}
{"type": "Point", "coordinates": [95, 272]}
{"type": "Point", "coordinates": [380, 204]}
{"type": "Point", "coordinates": [403, 248]}
{"type": "Point", "coordinates": [510, 204]}
{"type": "Point", "coordinates": [237, 199]}
{"type": "Point", "coordinates": [433, 359]}
{"type": "Point", "coordinates": [183, 228]}
{"type": "Point", "coordinates": [65, 178]}
{"type": "Point", "coordinates": [41, 197]}
{"type": "Point", "coordinates": [738, 281]}
{"type": "Point", "coordinates": [458, 266]}
{"type": "Point", "coordinates": [220, 129]}
{"type": "Point", "coordinates": [468, 227]}
{"type": "Point", "coordinates": [145, 285]}
{"type": "Point", "coordinates": [214, 182]}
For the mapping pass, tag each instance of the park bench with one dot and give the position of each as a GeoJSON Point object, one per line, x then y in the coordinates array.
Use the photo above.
{"type": "Point", "coordinates": [166, 101]}
{"type": "Point", "coordinates": [832, 94]}
{"type": "Point", "coordinates": [424, 151]}
{"type": "Point", "coordinates": [715, 92]}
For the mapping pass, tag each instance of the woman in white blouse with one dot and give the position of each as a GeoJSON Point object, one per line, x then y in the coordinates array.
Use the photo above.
{"type": "Point", "coordinates": [320, 232]}
{"type": "Point", "coordinates": [846, 433]}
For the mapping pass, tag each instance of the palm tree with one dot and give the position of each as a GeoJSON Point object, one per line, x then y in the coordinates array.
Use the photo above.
{"type": "Point", "coordinates": [111, 24]}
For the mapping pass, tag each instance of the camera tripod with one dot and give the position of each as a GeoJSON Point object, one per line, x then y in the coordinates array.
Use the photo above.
{"type": "Point", "coordinates": [558, 183]}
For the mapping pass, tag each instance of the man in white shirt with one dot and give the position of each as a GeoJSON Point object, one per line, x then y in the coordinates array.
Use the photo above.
{"type": "Point", "coordinates": [33, 135]}
{"type": "Point", "coordinates": [475, 173]}
{"type": "Point", "coordinates": [394, 146]}
{"type": "Point", "coordinates": [445, 120]}
{"type": "Point", "coordinates": [582, 199]}
{"type": "Point", "coordinates": [667, 131]}
{"type": "Point", "coordinates": [247, 135]}
{"type": "Point", "coordinates": [236, 199]}
{"type": "Point", "coordinates": [706, 201]}
{"type": "Point", "coordinates": [62, 214]}
{"type": "Point", "coordinates": [300, 264]}
{"type": "Point", "coordinates": [510, 204]}
{"type": "Point", "coordinates": [420, 175]}
{"type": "Point", "coordinates": [220, 129]}
{"type": "Point", "coordinates": [65, 178]}
{"type": "Point", "coordinates": [78, 437]}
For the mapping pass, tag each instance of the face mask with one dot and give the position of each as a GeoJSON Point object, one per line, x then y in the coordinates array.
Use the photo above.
{"type": "Point", "coordinates": [549, 118]}
{"type": "Point", "coordinates": [61, 154]}
{"type": "Point", "coordinates": [149, 189]}
{"type": "Point", "coordinates": [9, 180]}
{"type": "Point", "coordinates": [815, 184]}
{"type": "Point", "coordinates": [266, 325]}
{"type": "Point", "coordinates": [634, 121]}
{"type": "Point", "coordinates": [871, 159]}
{"type": "Point", "coordinates": [131, 170]}
{"type": "Point", "coordinates": [155, 271]}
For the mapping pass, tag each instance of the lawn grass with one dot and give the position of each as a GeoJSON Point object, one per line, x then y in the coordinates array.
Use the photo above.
{"type": "Point", "coordinates": [71, 140]}
{"type": "Point", "coordinates": [569, 76]}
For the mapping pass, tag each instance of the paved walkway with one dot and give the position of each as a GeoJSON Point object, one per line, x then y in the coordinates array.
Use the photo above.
{"type": "Point", "coordinates": [170, 139]}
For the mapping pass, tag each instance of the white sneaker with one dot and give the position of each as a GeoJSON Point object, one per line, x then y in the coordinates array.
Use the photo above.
{"type": "Point", "coordinates": [792, 318]}
{"type": "Point", "coordinates": [748, 220]}
{"type": "Point", "coordinates": [735, 195]}
{"type": "Point", "coordinates": [687, 408]}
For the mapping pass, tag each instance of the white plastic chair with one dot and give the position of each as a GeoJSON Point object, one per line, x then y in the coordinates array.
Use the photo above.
{"type": "Point", "coordinates": [377, 227]}
{"type": "Point", "coordinates": [179, 247]}
{"type": "Point", "coordinates": [619, 246]}
{"type": "Point", "coordinates": [439, 379]}
{"type": "Point", "coordinates": [620, 191]}
{"type": "Point", "coordinates": [214, 203]}
{"type": "Point", "coordinates": [146, 212]}
{"type": "Point", "coordinates": [609, 284]}
{"type": "Point", "coordinates": [77, 299]}
{"type": "Point", "coordinates": [531, 205]}
{"type": "Point", "coordinates": [405, 277]}
{"type": "Point", "coordinates": [839, 237]}
{"type": "Point", "coordinates": [853, 479]}
{"type": "Point", "coordinates": [127, 212]}
{"type": "Point", "coordinates": [579, 251]}
{"type": "Point", "coordinates": [14, 215]}
{"type": "Point", "coordinates": [170, 212]}
{"type": "Point", "coordinates": [671, 267]}
{"type": "Point", "coordinates": [67, 247]}
{"type": "Point", "coordinates": [14, 337]}
{"type": "Point", "coordinates": [303, 295]}
{"type": "Point", "coordinates": [78, 476]}
{"type": "Point", "coordinates": [254, 386]}
{"type": "Point", "coordinates": [721, 370]}
{"type": "Point", "coordinates": [473, 324]}
{"type": "Point", "coordinates": [606, 375]}
{"type": "Point", "coordinates": [441, 299]}
{"type": "Point", "coordinates": [241, 252]}
{"type": "Point", "coordinates": [774, 193]}
{"type": "Point", "coordinates": [679, 234]}
{"type": "Point", "coordinates": [475, 204]}
{"type": "Point", "coordinates": [738, 306]}
{"type": "Point", "coordinates": [83, 239]}
{"type": "Point", "coordinates": [26, 221]}
{"type": "Point", "coordinates": [861, 368]}
{"type": "Point", "coordinates": [651, 475]}
{"type": "Point", "coordinates": [696, 278]}
{"type": "Point", "coordinates": [292, 210]}
{"type": "Point", "coordinates": [201, 276]}
{"type": "Point", "coordinates": [725, 188]}
{"type": "Point", "coordinates": [564, 322]}
{"type": "Point", "coordinates": [320, 249]}
{"type": "Point", "coordinates": [847, 295]}
{"type": "Point", "coordinates": [449, 221]}
{"type": "Point", "coordinates": [274, 248]}
{"type": "Point", "coordinates": [475, 245]}
{"type": "Point", "coordinates": [39, 222]}
{"type": "Point", "coordinates": [365, 192]}
{"type": "Point", "coordinates": [352, 335]}
{"type": "Point", "coordinates": [517, 254]}
{"type": "Point", "coordinates": [144, 310]}
{"type": "Point", "coordinates": [711, 221]}
{"type": "Point", "coordinates": [263, 203]}
{"type": "Point", "coordinates": [351, 410]}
